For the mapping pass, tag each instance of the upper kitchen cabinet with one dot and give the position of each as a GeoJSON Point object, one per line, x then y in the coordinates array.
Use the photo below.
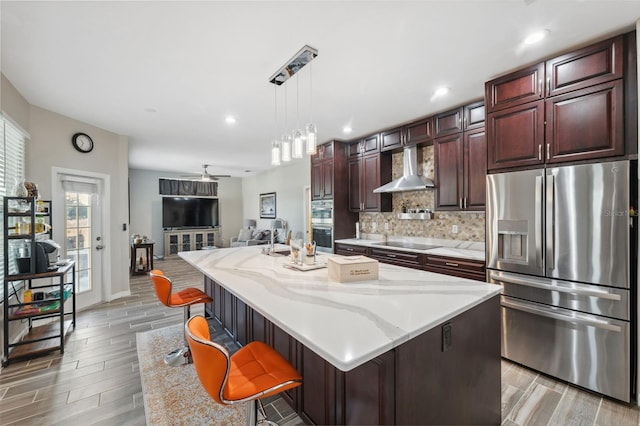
{"type": "Point", "coordinates": [448, 122]}
{"type": "Point", "coordinates": [368, 169]}
{"type": "Point", "coordinates": [322, 165]}
{"type": "Point", "coordinates": [460, 171]}
{"type": "Point", "coordinates": [598, 63]}
{"type": "Point", "coordinates": [392, 139]}
{"type": "Point", "coordinates": [579, 115]}
{"type": "Point", "coordinates": [473, 116]}
{"type": "Point", "coordinates": [516, 88]}
{"type": "Point", "coordinates": [419, 132]}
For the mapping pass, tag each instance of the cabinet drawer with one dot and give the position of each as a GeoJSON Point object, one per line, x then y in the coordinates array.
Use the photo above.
{"type": "Point", "coordinates": [349, 250]}
{"type": "Point", "coordinates": [397, 257]}
{"type": "Point", "coordinates": [464, 268]}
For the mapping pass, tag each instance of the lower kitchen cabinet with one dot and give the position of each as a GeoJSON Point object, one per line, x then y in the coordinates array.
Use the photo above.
{"type": "Point", "coordinates": [463, 268]}
{"type": "Point", "coordinates": [350, 250]}
{"type": "Point", "coordinates": [396, 257]}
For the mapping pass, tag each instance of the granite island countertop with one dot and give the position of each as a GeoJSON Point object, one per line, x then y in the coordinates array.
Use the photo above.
{"type": "Point", "coordinates": [450, 248]}
{"type": "Point", "coordinates": [347, 324]}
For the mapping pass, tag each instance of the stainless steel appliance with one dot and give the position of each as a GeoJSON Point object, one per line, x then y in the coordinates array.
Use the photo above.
{"type": "Point", "coordinates": [561, 242]}
{"type": "Point", "coordinates": [322, 224]}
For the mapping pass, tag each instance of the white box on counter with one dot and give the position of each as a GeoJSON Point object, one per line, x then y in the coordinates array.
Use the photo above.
{"type": "Point", "coordinates": [346, 269]}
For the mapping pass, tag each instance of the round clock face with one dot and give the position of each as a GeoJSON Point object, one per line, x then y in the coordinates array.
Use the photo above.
{"type": "Point", "coordinates": [82, 142]}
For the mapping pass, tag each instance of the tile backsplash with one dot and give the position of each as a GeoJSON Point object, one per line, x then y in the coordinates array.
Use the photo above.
{"type": "Point", "coordinates": [471, 226]}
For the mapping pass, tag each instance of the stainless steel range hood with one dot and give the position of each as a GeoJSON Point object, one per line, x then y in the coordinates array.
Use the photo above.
{"type": "Point", "coordinates": [410, 181]}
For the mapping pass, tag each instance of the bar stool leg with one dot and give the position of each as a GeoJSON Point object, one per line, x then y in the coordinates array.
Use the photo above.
{"type": "Point", "coordinates": [182, 354]}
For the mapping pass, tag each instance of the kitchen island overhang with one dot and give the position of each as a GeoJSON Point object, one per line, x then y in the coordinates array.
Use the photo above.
{"type": "Point", "coordinates": [353, 325]}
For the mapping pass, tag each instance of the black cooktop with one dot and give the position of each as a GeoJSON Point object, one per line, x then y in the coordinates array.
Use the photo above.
{"type": "Point", "coordinates": [414, 246]}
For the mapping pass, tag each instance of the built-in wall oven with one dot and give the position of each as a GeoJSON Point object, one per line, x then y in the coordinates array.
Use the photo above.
{"type": "Point", "coordinates": [322, 224]}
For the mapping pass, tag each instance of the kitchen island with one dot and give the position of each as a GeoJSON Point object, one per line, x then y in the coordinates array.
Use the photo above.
{"type": "Point", "coordinates": [412, 347]}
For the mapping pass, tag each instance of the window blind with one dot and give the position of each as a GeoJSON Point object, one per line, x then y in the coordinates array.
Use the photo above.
{"type": "Point", "coordinates": [12, 159]}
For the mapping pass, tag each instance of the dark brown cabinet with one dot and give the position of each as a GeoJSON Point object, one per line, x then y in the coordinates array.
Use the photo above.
{"type": "Point", "coordinates": [448, 122]}
{"type": "Point", "coordinates": [516, 88]}
{"type": "Point", "coordinates": [460, 171]}
{"type": "Point", "coordinates": [367, 170]}
{"type": "Point", "coordinates": [473, 116]}
{"type": "Point", "coordinates": [585, 124]}
{"type": "Point", "coordinates": [464, 268]}
{"type": "Point", "coordinates": [395, 257]}
{"type": "Point", "coordinates": [322, 173]}
{"type": "Point", "coordinates": [392, 139]}
{"type": "Point", "coordinates": [594, 64]}
{"type": "Point", "coordinates": [419, 132]}
{"type": "Point", "coordinates": [350, 250]}
{"type": "Point", "coordinates": [568, 108]}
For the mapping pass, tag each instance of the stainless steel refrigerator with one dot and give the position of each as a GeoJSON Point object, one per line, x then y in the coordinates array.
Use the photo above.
{"type": "Point", "coordinates": [561, 242]}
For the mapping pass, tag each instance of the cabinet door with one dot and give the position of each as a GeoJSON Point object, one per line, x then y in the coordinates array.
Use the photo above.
{"type": "Point", "coordinates": [186, 240]}
{"type": "Point", "coordinates": [448, 170]}
{"type": "Point", "coordinates": [449, 122]}
{"type": "Point", "coordinates": [370, 144]}
{"type": "Point", "coordinates": [370, 180]}
{"type": "Point", "coordinates": [316, 180]}
{"type": "Point", "coordinates": [354, 150]}
{"type": "Point", "coordinates": [586, 124]}
{"type": "Point", "coordinates": [355, 205]}
{"type": "Point", "coordinates": [517, 88]}
{"type": "Point", "coordinates": [327, 150]}
{"type": "Point", "coordinates": [391, 139]}
{"type": "Point", "coordinates": [475, 169]}
{"type": "Point", "coordinates": [594, 64]}
{"type": "Point", "coordinates": [286, 346]}
{"type": "Point", "coordinates": [327, 178]}
{"type": "Point", "coordinates": [318, 390]}
{"type": "Point", "coordinates": [419, 132]}
{"type": "Point", "coordinates": [515, 136]}
{"type": "Point", "coordinates": [474, 116]}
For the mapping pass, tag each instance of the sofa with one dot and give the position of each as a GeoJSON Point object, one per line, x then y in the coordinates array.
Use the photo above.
{"type": "Point", "coordinates": [251, 237]}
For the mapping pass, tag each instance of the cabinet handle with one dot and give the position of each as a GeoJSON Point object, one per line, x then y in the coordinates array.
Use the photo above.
{"type": "Point", "coordinates": [460, 202]}
{"type": "Point", "coordinates": [391, 255]}
{"type": "Point", "coordinates": [451, 264]}
{"type": "Point", "coordinates": [349, 249]}
{"type": "Point", "coordinates": [540, 94]}
{"type": "Point", "coordinates": [548, 156]}
{"type": "Point", "coordinates": [548, 85]}
{"type": "Point", "coordinates": [539, 152]}
{"type": "Point", "coordinates": [465, 202]}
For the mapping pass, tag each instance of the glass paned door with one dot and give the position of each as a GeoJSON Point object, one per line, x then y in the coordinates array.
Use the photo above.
{"type": "Point", "coordinates": [79, 213]}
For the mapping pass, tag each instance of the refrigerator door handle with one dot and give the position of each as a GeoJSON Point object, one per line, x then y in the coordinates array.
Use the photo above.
{"type": "Point", "coordinates": [538, 221]}
{"type": "Point", "coordinates": [519, 281]}
{"type": "Point", "coordinates": [551, 221]}
{"type": "Point", "coordinates": [543, 311]}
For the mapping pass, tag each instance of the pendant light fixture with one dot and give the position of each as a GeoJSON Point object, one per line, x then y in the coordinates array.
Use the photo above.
{"type": "Point", "coordinates": [291, 144]}
{"type": "Point", "coordinates": [275, 144]}
{"type": "Point", "coordinates": [312, 132]}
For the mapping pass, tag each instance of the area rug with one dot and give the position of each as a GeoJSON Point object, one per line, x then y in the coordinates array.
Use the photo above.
{"type": "Point", "coordinates": [174, 395]}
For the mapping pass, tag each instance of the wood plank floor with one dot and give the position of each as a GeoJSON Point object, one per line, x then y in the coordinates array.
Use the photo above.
{"type": "Point", "coordinates": [96, 381]}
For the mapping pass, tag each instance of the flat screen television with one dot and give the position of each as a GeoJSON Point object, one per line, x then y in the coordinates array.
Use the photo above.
{"type": "Point", "coordinates": [189, 212]}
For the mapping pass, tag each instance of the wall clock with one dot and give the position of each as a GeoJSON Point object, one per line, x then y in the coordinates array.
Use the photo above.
{"type": "Point", "coordinates": [82, 142]}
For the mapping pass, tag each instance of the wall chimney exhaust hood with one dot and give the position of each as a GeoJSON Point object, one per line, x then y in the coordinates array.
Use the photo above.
{"type": "Point", "coordinates": [410, 181]}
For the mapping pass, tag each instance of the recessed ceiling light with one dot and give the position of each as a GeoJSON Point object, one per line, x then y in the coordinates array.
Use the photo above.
{"type": "Point", "coordinates": [347, 129]}
{"type": "Point", "coordinates": [229, 119]}
{"type": "Point", "coordinates": [441, 91]}
{"type": "Point", "coordinates": [535, 37]}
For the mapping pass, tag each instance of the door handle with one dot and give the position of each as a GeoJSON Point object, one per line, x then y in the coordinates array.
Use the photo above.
{"type": "Point", "coordinates": [99, 247]}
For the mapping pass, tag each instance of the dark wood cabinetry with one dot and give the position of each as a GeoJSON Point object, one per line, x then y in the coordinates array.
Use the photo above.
{"type": "Point", "coordinates": [391, 139]}
{"type": "Point", "coordinates": [473, 116]}
{"type": "Point", "coordinates": [460, 161]}
{"type": "Point", "coordinates": [463, 268]}
{"type": "Point", "coordinates": [581, 116]}
{"type": "Point", "coordinates": [322, 173]}
{"type": "Point", "coordinates": [448, 122]}
{"type": "Point", "coordinates": [585, 124]}
{"type": "Point", "coordinates": [419, 132]}
{"type": "Point", "coordinates": [367, 170]}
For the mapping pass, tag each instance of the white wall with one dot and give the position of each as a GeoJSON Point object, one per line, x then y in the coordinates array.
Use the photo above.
{"type": "Point", "coordinates": [146, 206]}
{"type": "Point", "coordinates": [50, 146]}
{"type": "Point", "coordinates": [288, 182]}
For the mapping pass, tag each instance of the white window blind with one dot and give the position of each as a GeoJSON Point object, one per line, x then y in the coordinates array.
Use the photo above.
{"type": "Point", "coordinates": [12, 159]}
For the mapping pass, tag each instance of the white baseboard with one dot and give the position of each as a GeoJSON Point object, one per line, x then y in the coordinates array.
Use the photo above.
{"type": "Point", "coordinates": [119, 295]}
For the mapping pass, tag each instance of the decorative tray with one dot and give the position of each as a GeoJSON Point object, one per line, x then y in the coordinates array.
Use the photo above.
{"type": "Point", "coordinates": [304, 267]}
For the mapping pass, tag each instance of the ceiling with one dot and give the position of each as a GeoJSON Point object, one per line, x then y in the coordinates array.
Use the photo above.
{"type": "Point", "coordinates": [166, 73]}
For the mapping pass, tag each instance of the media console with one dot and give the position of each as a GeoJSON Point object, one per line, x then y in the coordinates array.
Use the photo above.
{"type": "Point", "coordinates": [190, 239]}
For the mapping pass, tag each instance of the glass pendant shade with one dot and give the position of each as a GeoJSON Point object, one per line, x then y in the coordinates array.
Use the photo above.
{"type": "Point", "coordinates": [275, 153]}
{"type": "Point", "coordinates": [286, 148]}
{"type": "Point", "coordinates": [312, 138]}
{"type": "Point", "coordinates": [297, 150]}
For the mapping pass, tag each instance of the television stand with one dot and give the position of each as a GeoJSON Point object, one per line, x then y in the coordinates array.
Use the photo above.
{"type": "Point", "coordinates": [187, 239]}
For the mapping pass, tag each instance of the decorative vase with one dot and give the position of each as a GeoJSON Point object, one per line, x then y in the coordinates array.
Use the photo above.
{"type": "Point", "coordinates": [19, 190]}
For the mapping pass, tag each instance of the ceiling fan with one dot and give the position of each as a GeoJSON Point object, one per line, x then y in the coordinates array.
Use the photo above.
{"type": "Point", "coordinates": [204, 176]}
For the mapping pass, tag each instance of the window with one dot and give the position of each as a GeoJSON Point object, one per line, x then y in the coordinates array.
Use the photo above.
{"type": "Point", "coordinates": [12, 159]}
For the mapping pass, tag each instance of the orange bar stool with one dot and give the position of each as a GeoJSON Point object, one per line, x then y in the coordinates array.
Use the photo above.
{"type": "Point", "coordinates": [256, 371]}
{"type": "Point", "coordinates": [182, 299]}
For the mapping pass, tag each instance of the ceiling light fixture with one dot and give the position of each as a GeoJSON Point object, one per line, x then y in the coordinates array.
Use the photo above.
{"type": "Point", "coordinates": [535, 37]}
{"type": "Point", "coordinates": [229, 119]}
{"type": "Point", "coordinates": [291, 144]}
{"type": "Point", "coordinates": [347, 129]}
{"type": "Point", "coordinates": [439, 92]}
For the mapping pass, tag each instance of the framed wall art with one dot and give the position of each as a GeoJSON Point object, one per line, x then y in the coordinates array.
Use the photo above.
{"type": "Point", "coordinates": [268, 205]}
